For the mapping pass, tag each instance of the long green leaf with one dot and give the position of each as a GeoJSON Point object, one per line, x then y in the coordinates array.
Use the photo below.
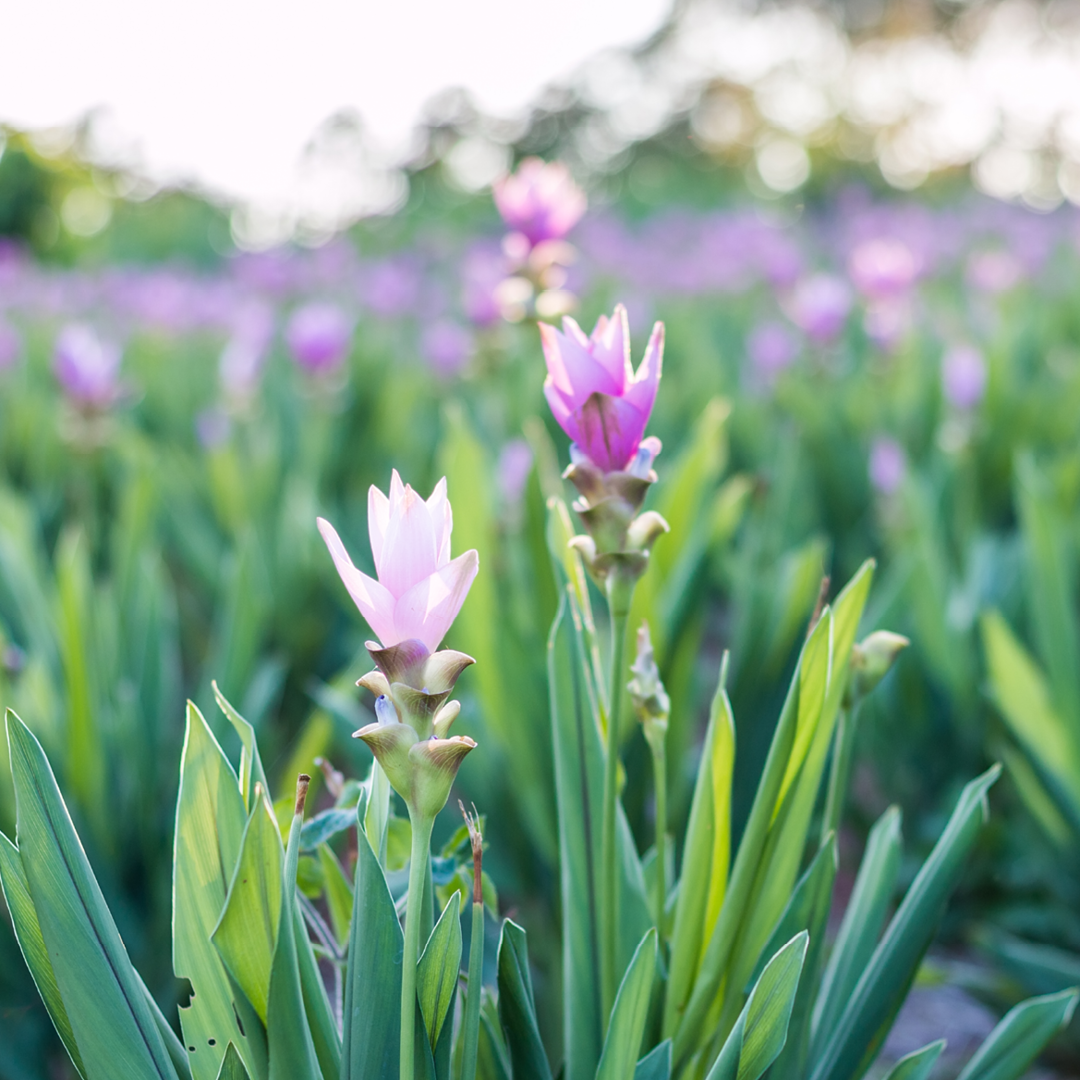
{"type": "Point", "coordinates": [28, 934]}
{"type": "Point", "coordinates": [246, 934]}
{"type": "Point", "coordinates": [111, 1021]}
{"type": "Point", "coordinates": [437, 970]}
{"type": "Point", "coordinates": [251, 768]}
{"type": "Point", "coordinates": [1020, 1036]}
{"type": "Point", "coordinates": [232, 1066]}
{"type": "Point", "coordinates": [881, 990]}
{"type": "Point", "coordinates": [517, 1008]}
{"type": "Point", "coordinates": [627, 1026]}
{"type": "Point", "coordinates": [372, 1031]}
{"type": "Point", "coordinates": [210, 819]}
{"type": "Point", "coordinates": [860, 928]}
{"type": "Point", "coordinates": [655, 1065]}
{"type": "Point", "coordinates": [918, 1064]}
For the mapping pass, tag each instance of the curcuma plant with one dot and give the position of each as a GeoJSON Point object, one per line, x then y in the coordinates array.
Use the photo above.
{"type": "Point", "coordinates": [299, 970]}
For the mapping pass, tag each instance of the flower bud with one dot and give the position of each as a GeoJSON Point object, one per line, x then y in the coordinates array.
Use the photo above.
{"type": "Point", "coordinates": [871, 660]}
{"type": "Point", "coordinates": [650, 699]}
{"type": "Point", "coordinates": [391, 742]}
{"type": "Point", "coordinates": [435, 763]}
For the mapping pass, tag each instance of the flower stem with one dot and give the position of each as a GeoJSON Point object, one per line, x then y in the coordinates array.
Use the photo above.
{"type": "Point", "coordinates": [659, 758]}
{"type": "Point", "coordinates": [620, 588]}
{"type": "Point", "coordinates": [418, 863]}
{"type": "Point", "coordinates": [840, 774]}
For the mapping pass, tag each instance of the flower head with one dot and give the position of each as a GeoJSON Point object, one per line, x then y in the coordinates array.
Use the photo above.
{"type": "Point", "coordinates": [887, 465]}
{"type": "Point", "coordinates": [772, 348]}
{"type": "Point", "coordinates": [963, 376]}
{"type": "Point", "coordinates": [883, 269]}
{"type": "Point", "coordinates": [594, 393]}
{"type": "Point", "coordinates": [819, 306]}
{"type": "Point", "coordinates": [540, 200]}
{"type": "Point", "coordinates": [319, 336]}
{"type": "Point", "coordinates": [420, 589]}
{"type": "Point", "coordinates": [87, 367]}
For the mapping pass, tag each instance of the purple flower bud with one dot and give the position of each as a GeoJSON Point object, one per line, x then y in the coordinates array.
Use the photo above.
{"type": "Point", "coordinates": [994, 271]}
{"type": "Point", "coordinates": [10, 345]}
{"type": "Point", "coordinates": [963, 376]}
{"type": "Point", "coordinates": [594, 393]}
{"type": "Point", "coordinates": [243, 356]}
{"type": "Point", "coordinates": [771, 347]}
{"type": "Point", "coordinates": [887, 464]}
{"type": "Point", "coordinates": [819, 306]}
{"type": "Point", "coordinates": [482, 271]}
{"type": "Point", "coordinates": [883, 269]}
{"type": "Point", "coordinates": [319, 336]}
{"type": "Point", "coordinates": [447, 347]}
{"type": "Point", "coordinates": [86, 367]}
{"type": "Point", "coordinates": [515, 464]}
{"type": "Point", "coordinates": [540, 200]}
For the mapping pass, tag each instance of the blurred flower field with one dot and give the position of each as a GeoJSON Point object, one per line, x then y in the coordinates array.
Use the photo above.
{"type": "Point", "coordinates": [859, 375]}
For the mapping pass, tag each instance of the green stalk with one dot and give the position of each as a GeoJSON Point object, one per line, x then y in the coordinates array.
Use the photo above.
{"type": "Point", "coordinates": [620, 589]}
{"type": "Point", "coordinates": [418, 866]}
{"type": "Point", "coordinates": [659, 757]}
{"type": "Point", "coordinates": [840, 773]}
{"type": "Point", "coordinates": [470, 1028]}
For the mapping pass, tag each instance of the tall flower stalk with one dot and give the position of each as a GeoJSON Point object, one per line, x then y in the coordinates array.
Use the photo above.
{"type": "Point", "coordinates": [604, 406]}
{"type": "Point", "coordinates": [411, 606]}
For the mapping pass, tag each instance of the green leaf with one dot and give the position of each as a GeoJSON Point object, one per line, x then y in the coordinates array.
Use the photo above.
{"type": "Point", "coordinates": [880, 991]}
{"type": "Point", "coordinates": [251, 769]}
{"type": "Point", "coordinates": [232, 1067]}
{"type": "Point", "coordinates": [860, 928]}
{"type": "Point", "coordinates": [111, 1021]}
{"type": "Point", "coordinates": [339, 894]}
{"type": "Point", "coordinates": [28, 934]}
{"type": "Point", "coordinates": [210, 819]}
{"type": "Point", "coordinates": [627, 1027]}
{"type": "Point", "coordinates": [517, 1008]}
{"type": "Point", "coordinates": [706, 854]}
{"type": "Point", "coordinates": [288, 1032]}
{"type": "Point", "coordinates": [1020, 1036]}
{"type": "Point", "coordinates": [918, 1064]}
{"type": "Point", "coordinates": [761, 1030]}
{"type": "Point", "coordinates": [372, 1027]}
{"type": "Point", "coordinates": [246, 934]}
{"type": "Point", "coordinates": [437, 969]}
{"type": "Point", "coordinates": [655, 1065]}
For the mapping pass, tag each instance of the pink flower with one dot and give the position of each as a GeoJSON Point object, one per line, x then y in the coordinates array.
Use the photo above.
{"type": "Point", "coordinates": [963, 376]}
{"type": "Point", "coordinates": [87, 368]}
{"type": "Point", "coordinates": [594, 393]}
{"type": "Point", "coordinates": [420, 589]}
{"type": "Point", "coordinates": [887, 465]}
{"type": "Point", "coordinates": [883, 269]}
{"type": "Point", "coordinates": [819, 306]}
{"type": "Point", "coordinates": [319, 336]}
{"type": "Point", "coordinates": [540, 200]}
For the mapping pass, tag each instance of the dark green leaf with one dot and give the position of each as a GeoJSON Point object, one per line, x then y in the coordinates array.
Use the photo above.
{"type": "Point", "coordinates": [517, 1009]}
{"type": "Point", "coordinates": [437, 970]}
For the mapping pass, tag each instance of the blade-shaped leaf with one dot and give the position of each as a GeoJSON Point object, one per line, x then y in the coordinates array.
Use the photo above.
{"type": "Point", "coordinates": [232, 1067]}
{"type": "Point", "coordinates": [246, 934]}
{"type": "Point", "coordinates": [1020, 1036]}
{"type": "Point", "coordinates": [918, 1064]}
{"type": "Point", "coordinates": [210, 819]}
{"type": "Point", "coordinates": [517, 1008]}
{"type": "Point", "coordinates": [339, 894]}
{"type": "Point", "coordinates": [251, 769]}
{"type": "Point", "coordinates": [437, 970]}
{"type": "Point", "coordinates": [627, 1027]}
{"type": "Point", "coordinates": [655, 1065]}
{"type": "Point", "coordinates": [880, 991]}
{"type": "Point", "coordinates": [111, 1020]}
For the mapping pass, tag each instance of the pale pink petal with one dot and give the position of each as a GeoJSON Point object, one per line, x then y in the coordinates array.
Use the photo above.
{"type": "Point", "coordinates": [375, 602]}
{"type": "Point", "coordinates": [642, 390]}
{"type": "Point", "coordinates": [611, 430]}
{"type": "Point", "coordinates": [409, 554]}
{"type": "Point", "coordinates": [442, 518]}
{"type": "Point", "coordinates": [611, 347]}
{"type": "Point", "coordinates": [378, 516]}
{"type": "Point", "coordinates": [572, 329]}
{"type": "Point", "coordinates": [572, 367]}
{"type": "Point", "coordinates": [427, 610]}
{"type": "Point", "coordinates": [397, 492]}
{"type": "Point", "coordinates": [561, 409]}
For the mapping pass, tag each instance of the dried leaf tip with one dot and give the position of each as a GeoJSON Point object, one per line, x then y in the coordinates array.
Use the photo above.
{"type": "Point", "coordinates": [302, 782]}
{"type": "Point", "coordinates": [476, 838]}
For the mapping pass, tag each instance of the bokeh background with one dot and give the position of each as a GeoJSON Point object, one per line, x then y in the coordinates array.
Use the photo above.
{"type": "Point", "coordinates": [250, 261]}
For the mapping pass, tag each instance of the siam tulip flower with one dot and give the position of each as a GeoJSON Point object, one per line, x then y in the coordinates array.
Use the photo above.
{"type": "Point", "coordinates": [883, 269]}
{"type": "Point", "coordinates": [420, 589]}
{"type": "Point", "coordinates": [319, 336]}
{"type": "Point", "coordinates": [595, 395]}
{"type": "Point", "coordinates": [887, 465]}
{"type": "Point", "coordinates": [244, 354]}
{"type": "Point", "coordinates": [515, 464]}
{"type": "Point", "coordinates": [447, 347]}
{"type": "Point", "coordinates": [963, 376]}
{"type": "Point", "coordinates": [86, 367]}
{"type": "Point", "coordinates": [482, 270]}
{"type": "Point", "coordinates": [771, 348]}
{"type": "Point", "coordinates": [540, 200]}
{"type": "Point", "coordinates": [994, 271]}
{"type": "Point", "coordinates": [819, 306]}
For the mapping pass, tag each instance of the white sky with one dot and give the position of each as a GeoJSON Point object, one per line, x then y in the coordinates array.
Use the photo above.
{"type": "Point", "coordinates": [228, 92]}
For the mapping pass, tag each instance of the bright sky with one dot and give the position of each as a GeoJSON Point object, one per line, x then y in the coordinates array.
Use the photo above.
{"type": "Point", "coordinates": [228, 92]}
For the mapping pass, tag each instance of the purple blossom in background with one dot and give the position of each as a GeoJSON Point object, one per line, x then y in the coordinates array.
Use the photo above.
{"type": "Point", "coordinates": [771, 347]}
{"type": "Point", "coordinates": [540, 200]}
{"type": "Point", "coordinates": [887, 465]}
{"type": "Point", "coordinates": [319, 336]}
{"type": "Point", "coordinates": [886, 323]}
{"type": "Point", "coordinates": [86, 367]}
{"type": "Point", "coordinates": [819, 306]}
{"type": "Point", "coordinates": [963, 376]}
{"type": "Point", "coordinates": [994, 271]}
{"type": "Point", "coordinates": [482, 270]}
{"type": "Point", "coordinates": [392, 287]}
{"type": "Point", "coordinates": [883, 269]}
{"type": "Point", "coordinates": [515, 464]}
{"type": "Point", "coordinates": [245, 352]}
{"type": "Point", "coordinates": [447, 347]}
{"type": "Point", "coordinates": [10, 345]}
